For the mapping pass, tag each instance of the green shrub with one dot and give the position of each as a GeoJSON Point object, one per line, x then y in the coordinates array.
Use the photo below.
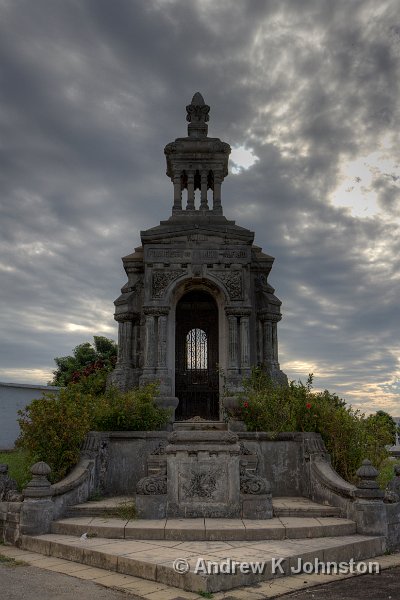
{"type": "Point", "coordinates": [349, 436]}
{"type": "Point", "coordinates": [134, 410]}
{"type": "Point", "coordinates": [54, 426]}
{"type": "Point", "coordinates": [386, 472]}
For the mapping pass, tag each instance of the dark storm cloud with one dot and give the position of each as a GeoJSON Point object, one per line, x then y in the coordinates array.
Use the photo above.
{"type": "Point", "coordinates": [91, 91]}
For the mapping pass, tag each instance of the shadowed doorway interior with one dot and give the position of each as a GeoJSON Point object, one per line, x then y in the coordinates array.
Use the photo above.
{"type": "Point", "coordinates": [196, 344]}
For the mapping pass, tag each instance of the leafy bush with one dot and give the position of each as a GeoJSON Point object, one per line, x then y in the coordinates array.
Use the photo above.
{"type": "Point", "coordinates": [54, 426]}
{"type": "Point", "coordinates": [86, 359]}
{"type": "Point", "coordinates": [348, 435]}
{"type": "Point", "coordinates": [386, 472]}
{"type": "Point", "coordinates": [134, 410]}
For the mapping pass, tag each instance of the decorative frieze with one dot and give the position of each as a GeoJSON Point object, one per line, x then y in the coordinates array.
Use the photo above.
{"type": "Point", "coordinates": [225, 254]}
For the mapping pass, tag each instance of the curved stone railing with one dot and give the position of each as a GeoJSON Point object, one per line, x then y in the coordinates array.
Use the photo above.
{"type": "Point", "coordinates": [75, 488]}
{"type": "Point", "coordinates": [328, 486]}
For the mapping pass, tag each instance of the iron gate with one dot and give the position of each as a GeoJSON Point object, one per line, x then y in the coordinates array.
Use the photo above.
{"type": "Point", "coordinates": [196, 345]}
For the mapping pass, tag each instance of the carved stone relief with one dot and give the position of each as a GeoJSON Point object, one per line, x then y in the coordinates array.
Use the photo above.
{"type": "Point", "coordinates": [233, 283]}
{"type": "Point", "coordinates": [161, 280]}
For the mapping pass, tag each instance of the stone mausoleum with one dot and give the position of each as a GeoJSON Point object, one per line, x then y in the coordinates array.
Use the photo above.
{"type": "Point", "coordinates": [198, 310]}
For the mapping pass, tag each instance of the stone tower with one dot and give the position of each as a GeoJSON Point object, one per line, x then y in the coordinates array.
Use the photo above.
{"type": "Point", "coordinates": [197, 311]}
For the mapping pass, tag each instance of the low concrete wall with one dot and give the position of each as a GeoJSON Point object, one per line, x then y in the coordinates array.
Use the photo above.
{"type": "Point", "coordinates": [14, 397]}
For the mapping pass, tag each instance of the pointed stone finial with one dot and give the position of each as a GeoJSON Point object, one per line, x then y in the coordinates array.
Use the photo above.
{"type": "Point", "coordinates": [197, 116]}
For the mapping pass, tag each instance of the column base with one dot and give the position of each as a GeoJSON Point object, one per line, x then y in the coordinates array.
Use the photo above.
{"type": "Point", "coordinates": [124, 377]}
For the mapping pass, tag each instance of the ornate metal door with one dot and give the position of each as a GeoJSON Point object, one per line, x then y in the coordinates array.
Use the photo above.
{"type": "Point", "coordinates": [196, 342]}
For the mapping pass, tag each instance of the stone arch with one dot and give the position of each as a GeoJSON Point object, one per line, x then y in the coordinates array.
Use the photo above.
{"type": "Point", "coordinates": [176, 290]}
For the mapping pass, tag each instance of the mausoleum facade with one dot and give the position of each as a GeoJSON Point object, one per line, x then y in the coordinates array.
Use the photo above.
{"type": "Point", "coordinates": [197, 311]}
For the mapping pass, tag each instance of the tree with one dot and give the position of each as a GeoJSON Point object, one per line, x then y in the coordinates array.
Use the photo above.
{"type": "Point", "coordinates": [86, 359]}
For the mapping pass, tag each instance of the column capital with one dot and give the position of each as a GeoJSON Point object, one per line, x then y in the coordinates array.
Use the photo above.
{"type": "Point", "coordinates": [126, 316]}
{"type": "Point", "coordinates": [267, 315]}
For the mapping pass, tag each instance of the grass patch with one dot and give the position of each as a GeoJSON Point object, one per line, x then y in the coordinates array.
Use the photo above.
{"type": "Point", "coordinates": [205, 594]}
{"type": "Point", "coordinates": [125, 511]}
{"type": "Point", "coordinates": [96, 496]}
{"type": "Point", "coordinates": [8, 561]}
{"type": "Point", "coordinates": [19, 463]}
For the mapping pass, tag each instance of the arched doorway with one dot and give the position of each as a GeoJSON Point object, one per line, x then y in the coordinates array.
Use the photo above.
{"type": "Point", "coordinates": [196, 347]}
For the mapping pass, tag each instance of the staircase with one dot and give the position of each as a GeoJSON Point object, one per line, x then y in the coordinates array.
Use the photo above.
{"type": "Point", "coordinates": [148, 548]}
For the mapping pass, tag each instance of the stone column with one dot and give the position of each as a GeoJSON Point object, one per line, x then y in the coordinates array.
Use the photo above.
{"type": "Point", "coordinates": [267, 342]}
{"type": "Point", "coordinates": [150, 343]}
{"type": "Point", "coordinates": [124, 376]}
{"type": "Point", "coordinates": [244, 342]}
{"type": "Point", "coordinates": [203, 202]}
{"type": "Point", "coordinates": [162, 342]}
{"type": "Point", "coordinates": [125, 342]}
{"type": "Point", "coordinates": [275, 342]}
{"type": "Point", "coordinates": [177, 193]}
{"type": "Point", "coordinates": [217, 207]}
{"type": "Point", "coordinates": [233, 342]}
{"type": "Point", "coordinates": [259, 342]}
{"type": "Point", "coordinates": [190, 187]}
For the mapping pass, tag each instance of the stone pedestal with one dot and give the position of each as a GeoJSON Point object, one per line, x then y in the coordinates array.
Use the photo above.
{"type": "Point", "coordinates": [203, 473]}
{"type": "Point", "coordinates": [37, 509]}
{"type": "Point", "coordinates": [369, 509]}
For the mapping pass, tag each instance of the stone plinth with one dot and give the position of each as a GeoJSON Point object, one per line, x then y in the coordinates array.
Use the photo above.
{"type": "Point", "coordinates": [203, 472]}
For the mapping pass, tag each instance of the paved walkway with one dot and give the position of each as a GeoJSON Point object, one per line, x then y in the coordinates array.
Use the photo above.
{"type": "Point", "coordinates": [50, 581]}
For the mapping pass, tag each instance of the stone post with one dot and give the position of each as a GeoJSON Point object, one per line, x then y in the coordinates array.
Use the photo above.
{"type": "Point", "coordinates": [190, 187]}
{"type": "Point", "coordinates": [37, 508]}
{"type": "Point", "coordinates": [217, 206]}
{"type": "Point", "coordinates": [177, 193]}
{"type": "Point", "coordinates": [369, 509]}
{"type": "Point", "coordinates": [203, 200]}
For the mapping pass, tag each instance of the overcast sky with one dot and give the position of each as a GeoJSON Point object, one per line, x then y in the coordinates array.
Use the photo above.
{"type": "Point", "coordinates": [307, 95]}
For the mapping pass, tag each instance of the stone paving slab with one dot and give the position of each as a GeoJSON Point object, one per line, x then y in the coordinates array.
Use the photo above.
{"type": "Point", "coordinates": [206, 529]}
{"type": "Point", "coordinates": [143, 589]}
{"type": "Point", "coordinates": [155, 562]}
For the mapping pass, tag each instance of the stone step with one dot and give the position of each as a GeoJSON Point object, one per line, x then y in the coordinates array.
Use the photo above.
{"type": "Point", "coordinates": [282, 507]}
{"type": "Point", "coordinates": [302, 507]}
{"type": "Point", "coordinates": [99, 508]}
{"type": "Point", "coordinates": [154, 560]}
{"type": "Point", "coordinates": [205, 529]}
